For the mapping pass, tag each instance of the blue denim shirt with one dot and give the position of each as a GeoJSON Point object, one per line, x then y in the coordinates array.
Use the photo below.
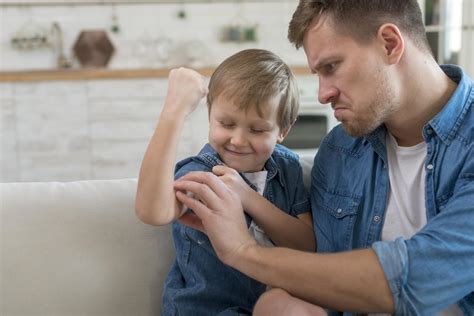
{"type": "Point", "coordinates": [349, 194]}
{"type": "Point", "coordinates": [199, 283]}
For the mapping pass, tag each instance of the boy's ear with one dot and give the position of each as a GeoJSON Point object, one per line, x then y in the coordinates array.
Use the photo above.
{"type": "Point", "coordinates": [283, 135]}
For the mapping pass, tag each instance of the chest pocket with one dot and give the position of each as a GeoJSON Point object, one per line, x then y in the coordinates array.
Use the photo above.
{"type": "Point", "coordinates": [335, 221]}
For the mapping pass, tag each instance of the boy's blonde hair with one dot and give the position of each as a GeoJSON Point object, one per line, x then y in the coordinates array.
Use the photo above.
{"type": "Point", "coordinates": [251, 78]}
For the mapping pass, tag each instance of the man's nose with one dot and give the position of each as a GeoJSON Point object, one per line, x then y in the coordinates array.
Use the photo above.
{"type": "Point", "coordinates": [327, 93]}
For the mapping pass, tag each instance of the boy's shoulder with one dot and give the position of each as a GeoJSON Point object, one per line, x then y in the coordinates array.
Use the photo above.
{"type": "Point", "coordinates": [205, 160]}
{"type": "Point", "coordinates": [283, 153]}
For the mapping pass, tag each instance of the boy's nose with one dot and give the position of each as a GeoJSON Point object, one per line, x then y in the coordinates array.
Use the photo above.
{"type": "Point", "coordinates": [238, 138]}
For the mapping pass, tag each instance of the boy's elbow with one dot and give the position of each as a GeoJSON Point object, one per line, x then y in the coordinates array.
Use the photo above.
{"type": "Point", "coordinates": [148, 215]}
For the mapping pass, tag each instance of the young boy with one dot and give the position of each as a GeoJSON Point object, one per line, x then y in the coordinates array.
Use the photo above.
{"type": "Point", "coordinates": [253, 102]}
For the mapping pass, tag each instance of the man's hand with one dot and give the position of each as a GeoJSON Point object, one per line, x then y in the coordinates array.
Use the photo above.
{"type": "Point", "coordinates": [220, 211]}
{"type": "Point", "coordinates": [234, 183]}
{"type": "Point", "coordinates": [186, 88]}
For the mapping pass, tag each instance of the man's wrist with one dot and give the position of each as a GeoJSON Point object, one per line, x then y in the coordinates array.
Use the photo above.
{"type": "Point", "coordinates": [246, 255]}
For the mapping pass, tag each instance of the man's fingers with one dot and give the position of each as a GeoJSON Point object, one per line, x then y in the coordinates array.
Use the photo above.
{"type": "Point", "coordinates": [197, 206]}
{"type": "Point", "coordinates": [208, 178]}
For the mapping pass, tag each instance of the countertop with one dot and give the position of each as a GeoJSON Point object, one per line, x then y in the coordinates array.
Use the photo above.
{"type": "Point", "coordinates": [87, 74]}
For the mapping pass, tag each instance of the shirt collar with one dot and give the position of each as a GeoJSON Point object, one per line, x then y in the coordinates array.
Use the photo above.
{"type": "Point", "coordinates": [447, 122]}
{"type": "Point", "coordinates": [272, 168]}
{"type": "Point", "coordinates": [211, 158]}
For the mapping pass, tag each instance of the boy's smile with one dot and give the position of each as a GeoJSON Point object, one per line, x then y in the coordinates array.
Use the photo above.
{"type": "Point", "coordinates": [243, 139]}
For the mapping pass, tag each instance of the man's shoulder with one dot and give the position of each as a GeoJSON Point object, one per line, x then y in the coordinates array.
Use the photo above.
{"type": "Point", "coordinates": [338, 140]}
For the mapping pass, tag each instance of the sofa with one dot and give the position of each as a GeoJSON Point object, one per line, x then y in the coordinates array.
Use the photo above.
{"type": "Point", "coordinates": [77, 248]}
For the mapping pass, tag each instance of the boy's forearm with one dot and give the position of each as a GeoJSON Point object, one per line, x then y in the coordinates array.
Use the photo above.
{"type": "Point", "coordinates": [155, 201]}
{"type": "Point", "coordinates": [283, 229]}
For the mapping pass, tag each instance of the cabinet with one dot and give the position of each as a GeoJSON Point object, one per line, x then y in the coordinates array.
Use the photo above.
{"type": "Point", "coordinates": [450, 31]}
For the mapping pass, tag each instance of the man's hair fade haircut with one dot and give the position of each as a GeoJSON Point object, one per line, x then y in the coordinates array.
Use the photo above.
{"type": "Point", "coordinates": [360, 19]}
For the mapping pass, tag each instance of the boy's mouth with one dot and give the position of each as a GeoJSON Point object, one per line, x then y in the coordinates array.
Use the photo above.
{"type": "Point", "coordinates": [236, 152]}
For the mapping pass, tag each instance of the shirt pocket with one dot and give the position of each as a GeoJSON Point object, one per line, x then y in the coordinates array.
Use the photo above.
{"type": "Point", "coordinates": [335, 221]}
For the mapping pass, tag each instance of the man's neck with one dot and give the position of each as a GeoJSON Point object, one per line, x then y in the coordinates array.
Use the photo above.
{"type": "Point", "coordinates": [428, 89]}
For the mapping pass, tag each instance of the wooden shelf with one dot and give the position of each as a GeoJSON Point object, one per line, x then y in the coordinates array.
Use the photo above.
{"type": "Point", "coordinates": [94, 74]}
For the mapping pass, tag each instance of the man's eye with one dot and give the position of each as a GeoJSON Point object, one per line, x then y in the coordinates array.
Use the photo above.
{"type": "Point", "coordinates": [256, 130]}
{"type": "Point", "coordinates": [329, 68]}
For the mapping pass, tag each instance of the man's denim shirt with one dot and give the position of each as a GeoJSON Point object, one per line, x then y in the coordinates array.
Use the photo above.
{"type": "Point", "coordinates": [349, 194]}
{"type": "Point", "coordinates": [199, 283]}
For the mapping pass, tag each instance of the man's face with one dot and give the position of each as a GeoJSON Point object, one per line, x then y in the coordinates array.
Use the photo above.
{"type": "Point", "coordinates": [353, 77]}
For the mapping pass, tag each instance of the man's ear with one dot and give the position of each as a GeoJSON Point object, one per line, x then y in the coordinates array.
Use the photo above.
{"type": "Point", "coordinates": [392, 41]}
{"type": "Point", "coordinates": [283, 135]}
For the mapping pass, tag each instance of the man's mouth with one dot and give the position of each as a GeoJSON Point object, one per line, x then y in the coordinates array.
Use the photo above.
{"type": "Point", "coordinates": [338, 112]}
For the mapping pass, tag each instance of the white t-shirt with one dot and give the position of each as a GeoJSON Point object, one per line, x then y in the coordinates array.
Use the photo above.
{"type": "Point", "coordinates": [406, 211]}
{"type": "Point", "coordinates": [259, 180]}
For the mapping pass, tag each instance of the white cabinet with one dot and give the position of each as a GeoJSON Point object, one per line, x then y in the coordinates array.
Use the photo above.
{"type": "Point", "coordinates": [91, 129]}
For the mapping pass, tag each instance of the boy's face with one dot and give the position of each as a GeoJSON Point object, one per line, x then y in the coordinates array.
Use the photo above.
{"type": "Point", "coordinates": [243, 139]}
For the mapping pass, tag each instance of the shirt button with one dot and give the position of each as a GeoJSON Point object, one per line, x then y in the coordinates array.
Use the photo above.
{"type": "Point", "coordinates": [339, 211]}
{"type": "Point", "coordinates": [429, 131]}
{"type": "Point", "coordinates": [376, 218]}
{"type": "Point", "coordinates": [429, 167]}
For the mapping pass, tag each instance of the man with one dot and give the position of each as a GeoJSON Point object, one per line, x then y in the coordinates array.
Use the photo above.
{"type": "Point", "coordinates": [392, 187]}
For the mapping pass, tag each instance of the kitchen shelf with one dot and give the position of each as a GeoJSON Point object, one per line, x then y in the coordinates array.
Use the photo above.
{"type": "Point", "coordinates": [88, 74]}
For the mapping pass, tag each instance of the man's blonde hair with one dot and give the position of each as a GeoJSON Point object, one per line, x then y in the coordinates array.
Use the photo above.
{"type": "Point", "coordinates": [251, 78]}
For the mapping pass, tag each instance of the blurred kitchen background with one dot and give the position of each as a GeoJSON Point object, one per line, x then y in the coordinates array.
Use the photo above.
{"type": "Point", "coordinates": [82, 82]}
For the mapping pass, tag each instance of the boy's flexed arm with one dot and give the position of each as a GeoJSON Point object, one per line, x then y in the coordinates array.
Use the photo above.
{"type": "Point", "coordinates": [155, 201]}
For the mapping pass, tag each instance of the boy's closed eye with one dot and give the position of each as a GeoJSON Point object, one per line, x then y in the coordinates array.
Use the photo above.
{"type": "Point", "coordinates": [227, 124]}
{"type": "Point", "coordinates": [258, 130]}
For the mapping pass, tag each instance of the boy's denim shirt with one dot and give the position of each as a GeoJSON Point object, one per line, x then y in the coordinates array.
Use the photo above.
{"type": "Point", "coordinates": [349, 193]}
{"type": "Point", "coordinates": [199, 283]}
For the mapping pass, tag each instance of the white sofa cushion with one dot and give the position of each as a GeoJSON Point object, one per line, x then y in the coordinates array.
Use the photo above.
{"type": "Point", "coordinates": [77, 248]}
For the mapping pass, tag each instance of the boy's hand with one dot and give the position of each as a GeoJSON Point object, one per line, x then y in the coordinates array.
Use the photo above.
{"type": "Point", "coordinates": [234, 182]}
{"type": "Point", "coordinates": [186, 88]}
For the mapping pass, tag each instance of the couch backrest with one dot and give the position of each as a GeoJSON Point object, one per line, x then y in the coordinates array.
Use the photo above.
{"type": "Point", "coordinates": [77, 248]}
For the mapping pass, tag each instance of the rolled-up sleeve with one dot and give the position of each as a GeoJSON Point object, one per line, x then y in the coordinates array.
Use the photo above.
{"type": "Point", "coordinates": [434, 268]}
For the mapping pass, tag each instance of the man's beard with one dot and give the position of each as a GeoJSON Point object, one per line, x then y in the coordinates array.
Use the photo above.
{"type": "Point", "coordinates": [382, 106]}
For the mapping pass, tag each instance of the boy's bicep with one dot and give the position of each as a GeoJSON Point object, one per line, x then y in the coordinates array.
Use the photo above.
{"type": "Point", "coordinates": [180, 171]}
